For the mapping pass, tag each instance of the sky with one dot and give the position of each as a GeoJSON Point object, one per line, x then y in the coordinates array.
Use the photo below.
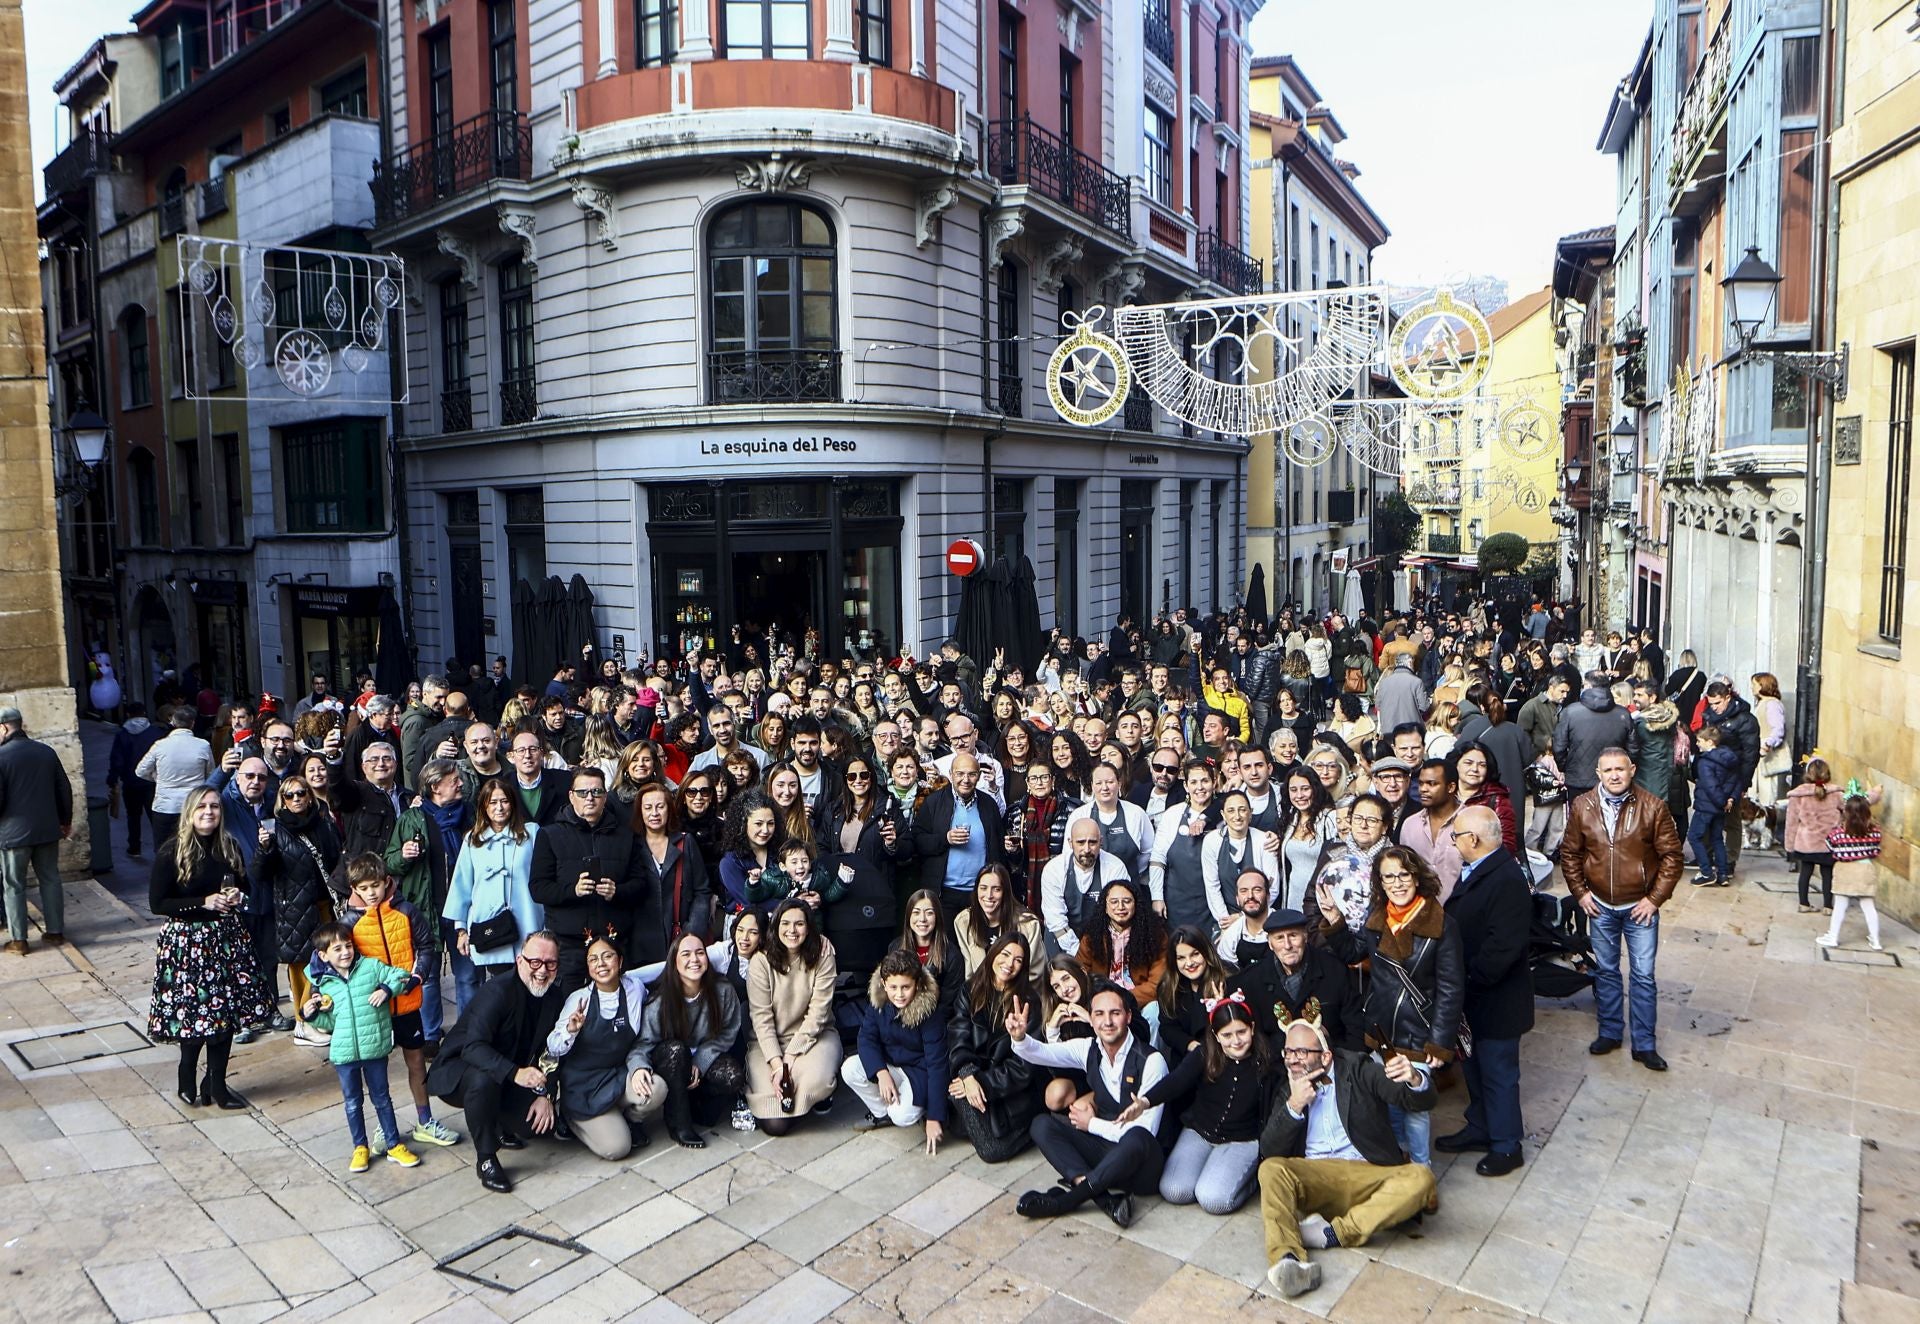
{"type": "Point", "coordinates": [1474, 136]}
{"type": "Point", "coordinates": [1473, 126]}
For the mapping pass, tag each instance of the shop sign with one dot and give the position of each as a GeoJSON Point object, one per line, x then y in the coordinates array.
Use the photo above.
{"type": "Point", "coordinates": [776, 446]}
{"type": "Point", "coordinates": [336, 601]}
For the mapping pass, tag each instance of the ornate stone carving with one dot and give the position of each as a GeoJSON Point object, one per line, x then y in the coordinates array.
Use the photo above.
{"type": "Point", "coordinates": [1003, 227]}
{"type": "Point", "coordinates": [1052, 268]}
{"type": "Point", "coordinates": [597, 203]}
{"type": "Point", "coordinates": [463, 255]}
{"type": "Point", "coordinates": [777, 174]}
{"type": "Point", "coordinates": [1120, 282]}
{"type": "Point", "coordinates": [935, 198]}
{"type": "Point", "coordinates": [519, 224]}
{"type": "Point", "coordinates": [1162, 90]}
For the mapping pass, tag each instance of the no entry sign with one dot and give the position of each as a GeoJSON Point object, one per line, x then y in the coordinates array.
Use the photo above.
{"type": "Point", "coordinates": [965, 557]}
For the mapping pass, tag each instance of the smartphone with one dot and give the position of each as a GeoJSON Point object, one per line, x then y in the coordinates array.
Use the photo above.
{"type": "Point", "coordinates": [591, 867]}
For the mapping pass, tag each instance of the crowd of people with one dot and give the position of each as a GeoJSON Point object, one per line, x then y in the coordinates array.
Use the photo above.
{"type": "Point", "coordinates": [1203, 906]}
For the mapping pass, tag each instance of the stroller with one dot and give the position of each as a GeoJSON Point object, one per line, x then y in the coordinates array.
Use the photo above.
{"type": "Point", "coordinates": [1558, 950]}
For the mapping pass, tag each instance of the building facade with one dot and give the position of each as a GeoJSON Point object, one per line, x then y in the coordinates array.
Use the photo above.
{"type": "Point", "coordinates": [231, 537]}
{"type": "Point", "coordinates": [1596, 509]}
{"type": "Point", "coordinates": [1313, 230]}
{"type": "Point", "coordinates": [1870, 679]}
{"type": "Point", "coordinates": [1725, 118]}
{"type": "Point", "coordinates": [742, 311]}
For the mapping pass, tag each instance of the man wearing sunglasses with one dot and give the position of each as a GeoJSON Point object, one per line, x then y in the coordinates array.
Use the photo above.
{"type": "Point", "coordinates": [590, 872]}
{"type": "Point", "coordinates": [490, 1062]}
{"type": "Point", "coordinates": [1163, 789]}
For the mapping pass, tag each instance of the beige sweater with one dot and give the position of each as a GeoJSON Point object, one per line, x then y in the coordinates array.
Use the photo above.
{"type": "Point", "coordinates": [790, 1012]}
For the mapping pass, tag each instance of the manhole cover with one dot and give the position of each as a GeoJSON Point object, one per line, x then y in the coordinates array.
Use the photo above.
{"type": "Point", "coordinates": [66, 1047]}
{"type": "Point", "coordinates": [510, 1259]}
{"type": "Point", "coordinates": [1847, 956]}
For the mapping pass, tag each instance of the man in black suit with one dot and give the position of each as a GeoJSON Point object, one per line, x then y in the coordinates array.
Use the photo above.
{"type": "Point", "coordinates": [1163, 789]}
{"type": "Point", "coordinates": [1492, 907]}
{"type": "Point", "coordinates": [590, 872]}
{"type": "Point", "coordinates": [489, 1062]}
{"type": "Point", "coordinates": [542, 790]}
{"type": "Point", "coordinates": [1303, 981]}
{"type": "Point", "coordinates": [957, 834]}
{"type": "Point", "coordinates": [1329, 1149]}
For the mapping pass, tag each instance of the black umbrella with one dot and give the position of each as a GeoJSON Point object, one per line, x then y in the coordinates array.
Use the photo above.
{"type": "Point", "coordinates": [973, 624]}
{"type": "Point", "coordinates": [549, 602]}
{"type": "Point", "coordinates": [1022, 636]}
{"type": "Point", "coordinates": [1257, 594]}
{"type": "Point", "coordinates": [577, 629]}
{"type": "Point", "coordinates": [523, 630]}
{"type": "Point", "coordinates": [393, 660]}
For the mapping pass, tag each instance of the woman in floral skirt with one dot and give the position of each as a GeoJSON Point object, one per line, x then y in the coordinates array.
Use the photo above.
{"type": "Point", "coordinates": [206, 984]}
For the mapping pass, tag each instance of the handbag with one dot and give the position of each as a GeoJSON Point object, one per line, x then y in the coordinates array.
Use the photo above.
{"type": "Point", "coordinates": [493, 933]}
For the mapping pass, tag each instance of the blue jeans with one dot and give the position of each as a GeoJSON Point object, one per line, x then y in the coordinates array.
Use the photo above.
{"type": "Point", "coordinates": [1217, 1177]}
{"type": "Point", "coordinates": [1493, 1093]}
{"type": "Point", "coordinates": [1709, 830]}
{"type": "Point", "coordinates": [466, 982]}
{"type": "Point", "coordinates": [1414, 1129]}
{"type": "Point", "coordinates": [372, 1074]}
{"type": "Point", "coordinates": [1642, 941]}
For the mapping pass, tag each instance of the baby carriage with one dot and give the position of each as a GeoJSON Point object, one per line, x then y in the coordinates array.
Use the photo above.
{"type": "Point", "coordinates": [1558, 949]}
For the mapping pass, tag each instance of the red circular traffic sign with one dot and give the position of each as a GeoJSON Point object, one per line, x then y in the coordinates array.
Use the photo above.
{"type": "Point", "coordinates": [965, 557]}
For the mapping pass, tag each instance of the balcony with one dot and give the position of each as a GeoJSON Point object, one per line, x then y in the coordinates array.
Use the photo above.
{"type": "Point", "coordinates": [81, 159]}
{"type": "Point", "coordinates": [1136, 415]}
{"type": "Point", "coordinates": [1158, 33]}
{"type": "Point", "coordinates": [173, 215]}
{"type": "Point", "coordinates": [1443, 544]}
{"type": "Point", "coordinates": [495, 144]}
{"type": "Point", "coordinates": [1340, 507]}
{"type": "Point", "coordinates": [518, 403]}
{"type": "Point", "coordinates": [787, 376]}
{"type": "Point", "coordinates": [1228, 267]}
{"type": "Point", "coordinates": [456, 409]}
{"type": "Point", "coordinates": [213, 198]}
{"type": "Point", "coordinates": [1020, 152]}
{"type": "Point", "coordinates": [1697, 146]}
{"type": "Point", "coordinates": [1009, 394]}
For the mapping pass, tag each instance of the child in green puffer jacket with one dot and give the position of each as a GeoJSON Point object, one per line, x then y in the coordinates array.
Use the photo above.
{"type": "Point", "coordinates": [352, 999]}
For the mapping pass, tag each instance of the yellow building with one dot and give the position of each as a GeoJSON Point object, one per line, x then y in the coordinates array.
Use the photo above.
{"type": "Point", "coordinates": [1490, 466]}
{"type": "Point", "coordinates": [1314, 230]}
{"type": "Point", "coordinates": [1870, 653]}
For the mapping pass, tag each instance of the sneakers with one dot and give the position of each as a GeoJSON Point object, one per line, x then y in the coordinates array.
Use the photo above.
{"type": "Point", "coordinates": [868, 1122]}
{"type": "Point", "coordinates": [304, 1033]}
{"type": "Point", "coordinates": [743, 1116]}
{"type": "Point", "coordinates": [1827, 940]}
{"type": "Point", "coordinates": [362, 1159]}
{"type": "Point", "coordinates": [248, 1035]}
{"type": "Point", "coordinates": [435, 1132]}
{"type": "Point", "coordinates": [1702, 880]}
{"type": "Point", "coordinates": [1290, 1277]}
{"type": "Point", "coordinates": [1874, 944]}
{"type": "Point", "coordinates": [405, 1157]}
{"type": "Point", "coordinates": [379, 1139]}
{"type": "Point", "coordinates": [280, 1023]}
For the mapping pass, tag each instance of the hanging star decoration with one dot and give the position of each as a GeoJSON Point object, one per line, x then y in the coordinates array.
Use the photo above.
{"type": "Point", "coordinates": [1083, 373]}
{"type": "Point", "coordinates": [1084, 362]}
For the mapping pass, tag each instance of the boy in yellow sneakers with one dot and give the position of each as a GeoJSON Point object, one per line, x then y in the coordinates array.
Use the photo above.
{"type": "Point", "coordinates": [352, 999]}
{"type": "Point", "coordinates": [390, 930]}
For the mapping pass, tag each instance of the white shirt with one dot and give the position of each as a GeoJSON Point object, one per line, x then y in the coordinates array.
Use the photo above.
{"type": "Point", "coordinates": [992, 780]}
{"type": "Point", "coordinates": [176, 765]}
{"type": "Point", "coordinates": [1253, 855]}
{"type": "Point", "coordinates": [1228, 943]}
{"type": "Point", "coordinates": [1073, 1054]}
{"type": "Point", "coordinates": [560, 1042]}
{"type": "Point", "coordinates": [1138, 824]}
{"type": "Point", "coordinates": [1053, 892]}
{"type": "Point", "coordinates": [712, 758]}
{"type": "Point", "coordinates": [1327, 1136]}
{"type": "Point", "coordinates": [1170, 826]}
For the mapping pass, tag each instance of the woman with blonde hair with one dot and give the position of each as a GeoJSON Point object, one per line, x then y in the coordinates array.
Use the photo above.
{"type": "Point", "coordinates": [600, 747]}
{"type": "Point", "coordinates": [1776, 759]}
{"type": "Point", "coordinates": [1443, 724]}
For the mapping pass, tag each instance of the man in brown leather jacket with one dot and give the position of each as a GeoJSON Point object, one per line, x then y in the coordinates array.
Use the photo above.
{"type": "Point", "coordinates": [1621, 858]}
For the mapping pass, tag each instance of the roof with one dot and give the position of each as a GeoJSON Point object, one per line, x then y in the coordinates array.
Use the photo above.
{"type": "Point", "coordinates": [1576, 255]}
{"type": "Point", "coordinates": [1510, 317]}
{"type": "Point", "coordinates": [1289, 69]}
{"type": "Point", "coordinates": [1623, 109]}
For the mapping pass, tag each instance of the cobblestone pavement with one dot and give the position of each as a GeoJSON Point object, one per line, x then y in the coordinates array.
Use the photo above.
{"type": "Point", "coordinates": [1773, 1173]}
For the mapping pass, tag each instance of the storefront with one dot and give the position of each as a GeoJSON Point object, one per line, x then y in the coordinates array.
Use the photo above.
{"type": "Point", "coordinates": [788, 556]}
{"type": "Point", "coordinates": [336, 633]}
{"type": "Point", "coordinates": [220, 631]}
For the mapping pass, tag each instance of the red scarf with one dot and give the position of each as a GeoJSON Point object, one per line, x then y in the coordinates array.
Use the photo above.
{"type": "Point", "coordinates": [1398, 917]}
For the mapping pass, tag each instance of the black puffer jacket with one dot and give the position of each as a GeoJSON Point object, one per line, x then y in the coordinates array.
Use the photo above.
{"type": "Point", "coordinates": [1586, 728]}
{"type": "Point", "coordinates": [1428, 950]}
{"type": "Point", "coordinates": [298, 862]}
{"type": "Point", "coordinates": [1740, 732]}
{"type": "Point", "coordinates": [978, 1046]}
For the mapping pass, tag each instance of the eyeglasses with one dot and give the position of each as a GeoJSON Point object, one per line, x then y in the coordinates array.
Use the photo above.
{"type": "Point", "coordinates": [1458, 833]}
{"type": "Point", "coordinates": [291, 796]}
{"type": "Point", "coordinates": [698, 790]}
{"type": "Point", "coordinates": [534, 963]}
{"type": "Point", "coordinates": [1402, 877]}
{"type": "Point", "coordinates": [590, 793]}
{"type": "Point", "coordinates": [859, 776]}
{"type": "Point", "coordinates": [1373, 820]}
{"type": "Point", "coordinates": [526, 749]}
{"type": "Point", "coordinates": [1299, 1053]}
{"type": "Point", "coordinates": [1166, 767]}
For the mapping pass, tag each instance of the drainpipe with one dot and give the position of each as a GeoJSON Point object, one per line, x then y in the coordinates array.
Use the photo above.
{"type": "Point", "coordinates": [1283, 559]}
{"type": "Point", "coordinates": [1813, 561]}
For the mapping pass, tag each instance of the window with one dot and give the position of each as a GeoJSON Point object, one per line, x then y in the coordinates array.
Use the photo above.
{"type": "Point", "coordinates": [1893, 556]}
{"type": "Point", "coordinates": [873, 21]}
{"type": "Point", "coordinates": [346, 95]}
{"type": "Point", "coordinates": [279, 123]}
{"type": "Point", "coordinates": [654, 21]}
{"type": "Point", "coordinates": [176, 346]}
{"type": "Point", "coordinates": [234, 488]}
{"type": "Point", "coordinates": [1010, 88]}
{"type": "Point", "coordinates": [1009, 519]}
{"type": "Point", "coordinates": [1799, 78]}
{"type": "Point", "coordinates": [1189, 491]}
{"type": "Point", "coordinates": [518, 403]}
{"type": "Point", "coordinates": [220, 34]}
{"type": "Point", "coordinates": [1009, 358]}
{"type": "Point", "coordinates": [456, 393]}
{"type": "Point", "coordinates": [772, 318]}
{"type": "Point", "coordinates": [526, 530]}
{"type": "Point", "coordinates": [189, 492]}
{"type": "Point", "coordinates": [1793, 306]}
{"type": "Point", "coordinates": [300, 282]}
{"type": "Point", "coordinates": [1066, 554]}
{"type": "Point", "coordinates": [137, 388]}
{"type": "Point", "coordinates": [146, 498]}
{"type": "Point", "coordinates": [1069, 92]}
{"type": "Point", "coordinates": [182, 54]}
{"type": "Point", "coordinates": [333, 476]}
{"type": "Point", "coordinates": [1159, 128]}
{"type": "Point", "coordinates": [1158, 30]}
{"type": "Point", "coordinates": [440, 82]}
{"type": "Point", "coordinates": [1313, 251]}
{"type": "Point", "coordinates": [767, 30]}
{"type": "Point", "coordinates": [1686, 253]}
{"type": "Point", "coordinates": [503, 58]}
{"type": "Point", "coordinates": [1223, 60]}
{"type": "Point", "coordinates": [1222, 226]}
{"type": "Point", "coordinates": [1686, 49]}
{"type": "Point", "coordinates": [1293, 249]}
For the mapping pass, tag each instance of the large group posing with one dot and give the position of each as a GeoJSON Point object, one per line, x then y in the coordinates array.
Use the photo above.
{"type": "Point", "coordinates": [1194, 909]}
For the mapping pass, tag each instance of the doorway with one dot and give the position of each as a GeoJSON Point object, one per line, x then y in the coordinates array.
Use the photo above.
{"type": "Point", "coordinates": [783, 590]}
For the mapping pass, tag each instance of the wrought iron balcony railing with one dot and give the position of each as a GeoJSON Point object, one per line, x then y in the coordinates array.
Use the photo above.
{"type": "Point", "coordinates": [1232, 269]}
{"type": "Point", "coordinates": [1443, 544]}
{"type": "Point", "coordinates": [1010, 394]}
{"type": "Point", "coordinates": [767, 376]}
{"type": "Point", "coordinates": [1137, 413]}
{"type": "Point", "coordinates": [456, 409]}
{"type": "Point", "coordinates": [173, 215]}
{"type": "Point", "coordinates": [1021, 152]}
{"type": "Point", "coordinates": [495, 144]}
{"type": "Point", "coordinates": [517, 402]}
{"type": "Point", "coordinates": [80, 160]}
{"type": "Point", "coordinates": [213, 198]}
{"type": "Point", "coordinates": [1159, 33]}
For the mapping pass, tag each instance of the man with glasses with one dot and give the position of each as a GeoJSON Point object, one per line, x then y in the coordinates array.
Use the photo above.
{"type": "Point", "coordinates": [246, 802]}
{"type": "Point", "coordinates": [542, 790]}
{"type": "Point", "coordinates": [957, 833]}
{"type": "Point", "coordinates": [1329, 1149]}
{"type": "Point", "coordinates": [963, 737]}
{"type": "Point", "coordinates": [1492, 909]}
{"type": "Point", "coordinates": [886, 742]}
{"type": "Point", "coordinates": [1393, 780]}
{"type": "Point", "coordinates": [369, 806]}
{"type": "Point", "coordinates": [589, 871]}
{"type": "Point", "coordinates": [1164, 789]}
{"type": "Point", "coordinates": [490, 1063]}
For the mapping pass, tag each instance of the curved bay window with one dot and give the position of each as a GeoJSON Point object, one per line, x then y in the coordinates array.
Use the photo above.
{"type": "Point", "coordinates": [767, 30]}
{"type": "Point", "coordinates": [771, 315]}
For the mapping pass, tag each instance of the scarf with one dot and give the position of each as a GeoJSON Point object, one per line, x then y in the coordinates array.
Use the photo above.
{"type": "Point", "coordinates": [1120, 974]}
{"type": "Point", "coordinates": [450, 820]}
{"type": "Point", "coordinates": [1038, 831]}
{"type": "Point", "coordinates": [1398, 917]}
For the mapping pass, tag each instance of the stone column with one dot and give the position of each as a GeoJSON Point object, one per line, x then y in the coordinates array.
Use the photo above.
{"type": "Point", "coordinates": [696, 30]}
{"type": "Point", "coordinates": [917, 34]}
{"type": "Point", "coordinates": [33, 651]}
{"type": "Point", "coordinates": [609, 41]}
{"type": "Point", "coordinates": [840, 32]}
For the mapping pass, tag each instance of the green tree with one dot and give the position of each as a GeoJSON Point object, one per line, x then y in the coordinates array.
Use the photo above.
{"type": "Point", "coordinates": [1396, 524]}
{"type": "Point", "coordinates": [1503, 553]}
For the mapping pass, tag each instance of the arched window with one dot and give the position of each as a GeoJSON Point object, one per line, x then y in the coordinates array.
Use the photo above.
{"type": "Point", "coordinates": [771, 317]}
{"type": "Point", "coordinates": [136, 384]}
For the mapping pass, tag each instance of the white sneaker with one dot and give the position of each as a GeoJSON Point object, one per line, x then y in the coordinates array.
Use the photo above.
{"type": "Point", "coordinates": [1876, 947]}
{"type": "Point", "coordinates": [303, 1033]}
{"type": "Point", "coordinates": [1827, 940]}
{"type": "Point", "coordinates": [1291, 1277]}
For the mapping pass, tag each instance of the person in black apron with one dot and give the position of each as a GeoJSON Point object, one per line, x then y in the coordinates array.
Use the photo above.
{"type": "Point", "coordinates": [593, 1038]}
{"type": "Point", "coordinates": [1122, 826]}
{"type": "Point", "coordinates": [1178, 878]}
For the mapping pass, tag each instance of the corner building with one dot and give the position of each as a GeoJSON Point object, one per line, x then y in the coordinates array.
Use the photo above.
{"type": "Point", "coordinates": [741, 310]}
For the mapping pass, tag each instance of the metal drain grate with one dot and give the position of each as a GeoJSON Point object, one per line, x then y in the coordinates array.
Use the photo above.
{"type": "Point", "coordinates": [65, 1047]}
{"type": "Point", "coordinates": [511, 1259]}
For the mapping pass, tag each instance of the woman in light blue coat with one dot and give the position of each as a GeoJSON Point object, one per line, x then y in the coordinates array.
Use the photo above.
{"type": "Point", "coordinates": [491, 879]}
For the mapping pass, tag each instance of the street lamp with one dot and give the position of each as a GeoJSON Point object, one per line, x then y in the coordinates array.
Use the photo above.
{"type": "Point", "coordinates": [1750, 289]}
{"type": "Point", "coordinates": [1573, 476]}
{"type": "Point", "coordinates": [86, 434]}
